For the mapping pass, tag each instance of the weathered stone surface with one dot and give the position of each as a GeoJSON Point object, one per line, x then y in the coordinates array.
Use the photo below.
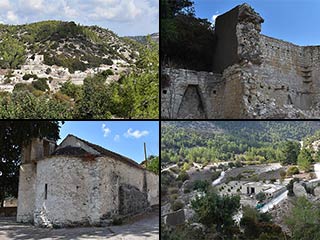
{"type": "Point", "coordinates": [131, 200]}
{"type": "Point", "coordinates": [175, 218]}
{"type": "Point", "coordinates": [255, 76]}
{"type": "Point", "coordinates": [317, 191]}
{"type": "Point", "coordinates": [299, 190]}
{"type": "Point", "coordinates": [73, 188]}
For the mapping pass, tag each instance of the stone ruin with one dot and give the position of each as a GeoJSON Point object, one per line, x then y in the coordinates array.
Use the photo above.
{"type": "Point", "coordinates": [253, 76]}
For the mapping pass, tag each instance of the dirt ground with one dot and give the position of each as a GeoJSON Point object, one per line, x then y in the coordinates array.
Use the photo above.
{"type": "Point", "coordinates": [143, 227]}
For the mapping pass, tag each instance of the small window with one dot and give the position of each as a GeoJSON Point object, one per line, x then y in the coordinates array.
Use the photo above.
{"type": "Point", "coordinates": [214, 91]}
{"type": "Point", "coordinates": [164, 91]}
{"type": "Point", "coordinates": [45, 191]}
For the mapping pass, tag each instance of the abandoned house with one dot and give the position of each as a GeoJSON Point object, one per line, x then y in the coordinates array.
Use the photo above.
{"type": "Point", "coordinates": [79, 183]}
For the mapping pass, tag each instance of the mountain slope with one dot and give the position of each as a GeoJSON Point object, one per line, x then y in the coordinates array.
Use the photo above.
{"type": "Point", "coordinates": [68, 44]}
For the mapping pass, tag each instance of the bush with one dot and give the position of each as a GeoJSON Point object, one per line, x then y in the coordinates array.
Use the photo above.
{"type": "Point", "coordinates": [261, 196]}
{"type": "Point", "coordinates": [41, 84]}
{"type": "Point", "coordinates": [23, 87]}
{"type": "Point", "coordinates": [292, 170]}
{"type": "Point", "coordinates": [183, 176]}
{"type": "Point", "coordinates": [201, 185]}
{"type": "Point", "coordinates": [28, 76]}
{"type": "Point", "coordinates": [107, 61]}
{"type": "Point", "coordinates": [177, 205]}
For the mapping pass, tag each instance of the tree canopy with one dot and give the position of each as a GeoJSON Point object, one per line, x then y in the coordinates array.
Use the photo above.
{"type": "Point", "coordinates": [13, 135]}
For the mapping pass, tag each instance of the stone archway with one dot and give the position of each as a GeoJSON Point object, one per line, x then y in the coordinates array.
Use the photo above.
{"type": "Point", "coordinates": [191, 104]}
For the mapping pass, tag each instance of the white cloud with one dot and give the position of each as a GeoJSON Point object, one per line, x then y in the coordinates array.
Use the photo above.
{"type": "Point", "coordinates": [125, 17]}
{"type": "Point", "coordinates": [120, 10]}
{"type": "Point", "coordinates": [32, 4]}
{"type": "Point", "coordinates": [106, 131]}
{"type": "Point", "coordinates": [4, 4]}
{"type": "Point", "coordinates": [12, 17]}
{"type": "Point", "coordinates": [136, 133]}
{"type": "Point", "coordinates": [116, 138]}
{"type": "Point", "coordinates": [214, 17]}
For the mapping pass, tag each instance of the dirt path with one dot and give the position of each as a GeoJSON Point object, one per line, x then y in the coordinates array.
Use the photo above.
{"type": "Point", "coordinates": [143, 227]}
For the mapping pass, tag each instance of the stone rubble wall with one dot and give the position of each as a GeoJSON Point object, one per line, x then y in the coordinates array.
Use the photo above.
{"type": "Point", "coordinates": [208, 86]}
{"type": "Point", "coordinates": [131, 200]}
{"type": "Point", "coordinates": [86, 190]}
{"type": "Point", "coordinates": [263, 78]}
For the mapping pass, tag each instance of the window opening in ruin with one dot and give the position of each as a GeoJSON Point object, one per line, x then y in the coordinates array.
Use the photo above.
{"type": "Point", "coordinates": [290, 100]}
{"type": "Point", "coordinates": [45, 191]}
{"type": "Point", "coordinates": [45, 148]}
{"type": "Point", "coordinates": [214, 91]}
{"type": "Point", "coordinates": [164, 91]}
{"type": "Point", "coordinates": [249, 99]}
{"type": "Point", "coordinates": [252, 190]}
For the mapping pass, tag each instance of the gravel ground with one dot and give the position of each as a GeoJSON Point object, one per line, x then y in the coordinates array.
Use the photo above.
{"type": "Point", "coordinates": [142, 227]}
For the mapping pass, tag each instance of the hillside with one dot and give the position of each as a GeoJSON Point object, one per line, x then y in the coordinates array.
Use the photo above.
{"type": "Point", "coordinates": [210, 141]}
{"type": "Point", "coordinates": [67, 64]}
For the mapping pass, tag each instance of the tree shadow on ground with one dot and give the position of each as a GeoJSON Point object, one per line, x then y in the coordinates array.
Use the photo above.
{"type": "Point", "coordinates": [145, 228]}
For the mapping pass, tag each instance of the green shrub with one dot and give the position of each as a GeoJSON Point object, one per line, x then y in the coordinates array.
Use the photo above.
{"type": "Point", "coordinates": [177, 205]}
{"type": "Point", "coordinates": [183, 176]}
{"type": "Point", "coordinates": [292, 170]}
{"type": "Point", "coordinates": [41, 84]}
{"type": "Point", "coordinates": [28, 76]}
{"type": "Point", "coordinates": [201, 185]}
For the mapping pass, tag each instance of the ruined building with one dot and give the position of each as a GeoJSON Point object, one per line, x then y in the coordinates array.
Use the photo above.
{"type": "Point", "coordinates": [81, 183]}
{"type": "Point", "coordinates": [253, 76]}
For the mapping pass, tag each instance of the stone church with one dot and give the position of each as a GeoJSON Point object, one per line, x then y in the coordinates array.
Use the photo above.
{"type": "Point", "coordinates": [80, 183]}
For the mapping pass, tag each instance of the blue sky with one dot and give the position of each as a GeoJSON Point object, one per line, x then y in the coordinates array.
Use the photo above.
{"type": "Point", "coordinates": [123, 137]}
{"type": "Point", "coordinates": [124, 17]}
{"type": "Point", "coordinates": [296, 21]}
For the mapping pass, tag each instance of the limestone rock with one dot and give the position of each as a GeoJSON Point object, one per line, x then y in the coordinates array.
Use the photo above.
{"type": "Point", "coordinates": [299, 190]}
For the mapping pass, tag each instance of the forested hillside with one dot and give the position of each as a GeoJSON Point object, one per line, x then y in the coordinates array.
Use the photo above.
{"type": "Point", "coordinates": [127, 88]}
{"type": "Point", "coordinates": [212, 141]}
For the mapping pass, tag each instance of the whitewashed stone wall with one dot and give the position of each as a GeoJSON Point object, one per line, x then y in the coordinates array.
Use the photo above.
{"type": "Point", "coordinates": [27, 184]}
{"type": "Point", "coordinates": [82, 191]}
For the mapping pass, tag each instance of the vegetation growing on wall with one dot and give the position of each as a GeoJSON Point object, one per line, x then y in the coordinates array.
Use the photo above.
{"type": "Point", "coordinates": [183, 36]}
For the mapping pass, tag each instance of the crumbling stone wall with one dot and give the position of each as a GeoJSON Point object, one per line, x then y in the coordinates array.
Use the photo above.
{"type": "Point", "coordinates": [131, 200]}
{"type": "Point", "coordinates": [191, 94]}
{"type": "Point", "coordinates": [261, 77]}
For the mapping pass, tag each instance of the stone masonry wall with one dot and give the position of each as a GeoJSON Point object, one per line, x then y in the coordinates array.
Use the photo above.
{"type": "Point", "coordinates": [263, 77]}
{"type": "Point", "coordinates": [153, 188]}
{"type": "Point", "coordinates": [204, 89]}
{"type": "Point", "coordinates": [131, 200]}
{"type": "Point", "coordinates": [26, 201]}
{"type": "Point", "coordinates": [86, 190]}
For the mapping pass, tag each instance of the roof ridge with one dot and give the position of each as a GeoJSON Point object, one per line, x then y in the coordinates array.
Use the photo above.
{"type": "Point", "coordinates": [105, 151]}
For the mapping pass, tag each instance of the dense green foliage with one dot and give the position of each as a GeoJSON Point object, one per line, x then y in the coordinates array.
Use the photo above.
{"type": "Point", "coordinates": [254, 141]}
{"type": "Point", "coordinates": [183, 36]}
{"type": "Point", "coordinates": [258, 225]}
{"type": "Point", "coordinates": [215, 210]}
{"type": "Point", "coordinates": [305, 159]}
{"type": "Point", "coordinates": [13, 135]}
{"type": "Point", "coordinates": [153, 164]}
{"type": "Point", "coordinates": [304, 220]}
{"type": "Point", "coordinates": [12, 52]}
